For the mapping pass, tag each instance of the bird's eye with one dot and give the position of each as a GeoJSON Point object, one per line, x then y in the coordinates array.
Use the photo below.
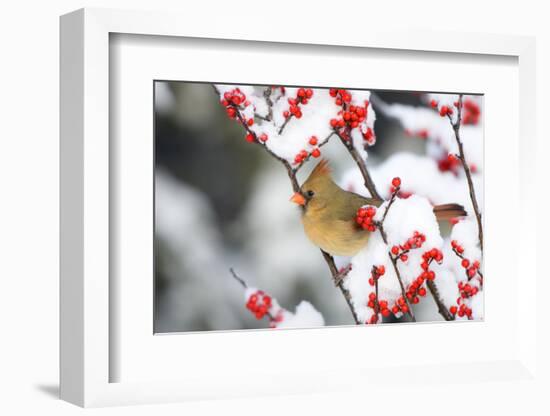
{"type": "Point", "coordinates": [310, 193]}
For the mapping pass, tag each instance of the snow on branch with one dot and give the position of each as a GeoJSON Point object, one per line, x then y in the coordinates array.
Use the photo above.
{"type": "Point", "coordinates": [399, 259]}
{"type": "Point", "coordinates": [262, 305]}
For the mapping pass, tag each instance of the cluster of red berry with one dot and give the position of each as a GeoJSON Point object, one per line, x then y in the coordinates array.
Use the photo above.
{"type": "Point", "coordinates": [462, 310]}
{"type": "Point", "coordinates": [400, 306]}
{"type": "Point", "coordinates": [378, 306]}
{"type": "Point", "coordinates": [259, 304]}
{"type": "Point", "coordinates": [468, 289]}
{"type": "Point", "coordinates": [416, 287]}
{"type": "Point", "coordinates": [449, 163]}
{"type": "Point", "coordinates": [316, 152]}
{"type": "Point", "coordinates": [470, 267]}
{"type": "Point", "coordinates": [416, 241]}
{"type": "Point", "coordinates": [232, 101]}
{"type": "Point", "coordinates": [444, 110]}
{"type": "Point", "coordinates": [377, 272]}
{"type": "Point", "coordinates": [351, 116]}
{"type": "Point", "coordinates": [302, 97]}
{"type": "Point", "coordinates": [471, 112]}
{"type": "Point", "coordinates": [365, 218]}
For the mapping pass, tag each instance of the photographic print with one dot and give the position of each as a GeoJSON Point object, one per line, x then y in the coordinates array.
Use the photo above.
{"type": "Point", "coordinates": [299, 206]}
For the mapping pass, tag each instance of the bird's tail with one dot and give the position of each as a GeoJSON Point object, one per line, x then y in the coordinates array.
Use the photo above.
{"type": "Point", "coordinates": [448, 211]}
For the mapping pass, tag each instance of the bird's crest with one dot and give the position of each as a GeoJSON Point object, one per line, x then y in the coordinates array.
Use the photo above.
{"type": "Point", "coordinates": [322, 168]}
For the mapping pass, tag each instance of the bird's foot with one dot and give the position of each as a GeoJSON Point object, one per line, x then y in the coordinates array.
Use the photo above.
{"type": "Point", "coordinates": [342, 273]}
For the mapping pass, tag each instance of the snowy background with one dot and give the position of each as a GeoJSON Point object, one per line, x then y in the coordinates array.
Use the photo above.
{"type": "Point", "coordinates": [222, 202]}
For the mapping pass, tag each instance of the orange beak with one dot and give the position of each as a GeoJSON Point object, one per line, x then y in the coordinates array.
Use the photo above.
{"type": "Point", "coordinates": [298, 198]}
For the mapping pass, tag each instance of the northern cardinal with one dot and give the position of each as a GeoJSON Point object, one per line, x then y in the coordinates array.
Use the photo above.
{"type": "Point", "coordinates": [329, 213]}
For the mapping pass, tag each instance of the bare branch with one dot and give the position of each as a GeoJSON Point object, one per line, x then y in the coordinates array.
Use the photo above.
{"type": "Point", "coordinates": [340, 284]}
{"type": "Point", "coordinates": [237, 278]}
{"type": "Point", "coordinates": [456, 129]}
{"type": "Point", "coordinates": [443, 311]}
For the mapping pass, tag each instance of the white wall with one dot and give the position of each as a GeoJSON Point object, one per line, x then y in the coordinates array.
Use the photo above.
{"type": "Point", "coordinates": [29, 182]}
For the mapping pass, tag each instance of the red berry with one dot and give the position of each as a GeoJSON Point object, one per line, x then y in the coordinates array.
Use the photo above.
{"type": "Point", "coordinates": [250, 137]}
{"type": "Point", "coordinates": [263, 137]}
{"type": "Point", "coordinates": [453, 310]}
{"type": "Point", "coordinates": [465, 263]}
{"type": "Point", "coordinates": [313, 140]}
{"type": "Point", "coordinates": [395, 250]}
{"type": "Point", "coordinates": [433, 103]}
{"type": "Point", "coordinates": [316, 153]}
{"type": "Point", "coordinates": [422, 291]}
{"type": "Point", "coordinates": [396, 182]}
{"type": "Point", "coordinates": [385, 312]}
{"type": "Point", "coordinates": [404, 257]}
{"type": "Point", "coordinates": [381, 270]}
{"type": "Point", "coordinates": [231, 112]}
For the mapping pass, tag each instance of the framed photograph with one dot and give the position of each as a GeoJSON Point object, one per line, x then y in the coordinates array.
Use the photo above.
{"type": "Point", "coordinates": [245, 216]}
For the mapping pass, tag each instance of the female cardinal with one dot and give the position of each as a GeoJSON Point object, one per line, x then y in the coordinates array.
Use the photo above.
{"type": "Point", "coordinates": [329, 213]}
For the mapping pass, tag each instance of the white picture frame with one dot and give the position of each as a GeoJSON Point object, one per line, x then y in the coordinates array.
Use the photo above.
{"type": "Point", "coordinates": [87, 355]}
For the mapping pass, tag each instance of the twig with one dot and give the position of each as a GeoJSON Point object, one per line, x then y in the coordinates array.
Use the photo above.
{"type": "Point", "coordinates": [340, 284]}
{"type": "Point", "coordinates": [361, 164]}
{"type": "Point", "coordinates": [461, 256]}
{"type": "Point", "coordinates": [285, 123]}
{"type": "Point", "coordinates": [443, 311]}
{"type": "Point", "coordinates": [456, 129]}
{"type": "Point", "coordinates": [321, 144]}
{"type": "Point", "coordinates": [237, 278]}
